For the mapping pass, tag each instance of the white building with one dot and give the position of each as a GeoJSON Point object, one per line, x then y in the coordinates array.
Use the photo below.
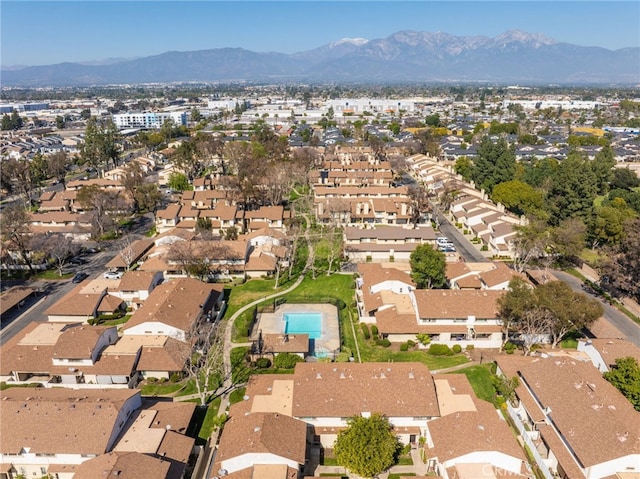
{"type": "Point", "coordinates": [148, 119]}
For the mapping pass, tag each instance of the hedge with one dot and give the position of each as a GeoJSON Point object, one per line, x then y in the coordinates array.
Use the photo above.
{"type": "Point", "coordinates": [365, 330]}
{"type": "Point", "coordinates": [440, 350]}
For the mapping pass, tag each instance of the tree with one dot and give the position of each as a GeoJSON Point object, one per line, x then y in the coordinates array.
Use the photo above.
{"type": "Point", "coordinates": [608, 223]}
{"type": "Point", "coordinates": [178, 182]}
{"type": "Point", "coordinates": [100, 203]}
{"type": "Point", "coordinates": [205, 365]}
{"type": "Point", "coordinates": [625, 376]}
{"type": "Point", "coordinates": [505, 386]}
{"type": "Point", "coordinates": [12, 122]}
{"type": "Point", "coordinates": [464, 167]}
{"type": "Point", "coordinates": [60, 248]}
{"type": "Point", "coordinates": [16, 232]}
{"type": "Point", "coordinates": [495, 163]}
{"type": "Point", "coordinates": [513, 304]}
{"type": "Point", "coordinates": [148, 197]}
{"type": "Point", "coordinates": [602, 167]}
{"type": "Point", "coordinates": [569, 310]}
{"type": "Point", "coordinates": [367, 446]}
{"type": "Point", "coordinates": [624, 179]}
{"type": "Point", "coordinates": [531, 242]}
{"type": "Point", "coordinates": [568, 237]}
{"type": "Point", "coordinates": [133, 179]}
{"type": "Point", "coordinates": [428, 267]}
{"type": "Point", "coordinates": [573, 189]}
{"type": "Point", "coordinates": [100, 146]}
{"type": "Point", "coordinates": [552, 309]}
{"type": "Point", "coordinates": [520, 198]}
{"type": "Point", "coordinates": [623, 263]}
{"type": "Point", "coordinates": [58, 163]}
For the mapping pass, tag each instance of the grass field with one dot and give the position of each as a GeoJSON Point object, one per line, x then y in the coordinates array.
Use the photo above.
{"type": "Point", "coordinates": [480, 378]}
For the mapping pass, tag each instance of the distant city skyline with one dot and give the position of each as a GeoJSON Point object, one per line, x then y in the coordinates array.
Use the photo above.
{"type": "Point", "coordinates": [49, 32]}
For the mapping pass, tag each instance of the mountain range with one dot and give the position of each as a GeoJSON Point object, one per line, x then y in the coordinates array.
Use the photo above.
{"type": "Point", "coordinates": [403, 57]}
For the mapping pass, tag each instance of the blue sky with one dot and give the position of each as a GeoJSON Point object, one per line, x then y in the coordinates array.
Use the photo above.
{"type": "Point", "coordinates": [45, 32]}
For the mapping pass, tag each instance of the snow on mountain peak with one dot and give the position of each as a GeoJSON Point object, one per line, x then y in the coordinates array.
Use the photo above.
{"type": "Point", "coordinates": [353, 41]}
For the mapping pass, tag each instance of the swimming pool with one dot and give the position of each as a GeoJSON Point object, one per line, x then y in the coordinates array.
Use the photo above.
{"type": "Point", "coordinates": [303, 323]}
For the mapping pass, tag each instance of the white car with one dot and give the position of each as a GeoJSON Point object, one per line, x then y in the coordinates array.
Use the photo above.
{"type": "Point", "coordinates": [113, 275]}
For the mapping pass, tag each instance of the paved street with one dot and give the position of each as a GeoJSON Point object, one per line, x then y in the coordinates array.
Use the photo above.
{"type": "Point", "coordinates": [51, 291]}
{"type": "Point", "coordinates": [624, 324]}
{"type": "Point", "coordinates": [467, 250]}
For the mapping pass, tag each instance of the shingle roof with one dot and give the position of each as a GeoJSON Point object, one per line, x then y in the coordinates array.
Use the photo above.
{"type": "Point", "coordinates": [336, 390]}
{"type": "Point", "coordinates": [123, 465]}
{"type": "Point", "coordinates": [456, 304]}
{"type": "Point", "coordinates": [257, 433]}
{"type": "Point", "coordinates": [177, 303]}
{"type": "Point", "coordinates": [580, 402]}
{"type": "Point", "coordinates": [54, 421]}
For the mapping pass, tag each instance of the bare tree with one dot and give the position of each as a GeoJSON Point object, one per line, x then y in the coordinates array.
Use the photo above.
{"type": "Point", "coordinates": [58, 163]}
{"type": "Point", "coordinates": [133, 179]}
{"type": "Point", "coordinates": [60, 248]}
{"type": "Point", "coordinates": [335, 247]}
{"type": "Point", "coordinates": [127, 253]}
{"type": "Point", "coordinates": [101, 205]}
{"type": "Point", "coordinates": [534, 325]}
{"type": "Point", "coordinates": [205, 365]}
{"type": "Point", "coordinates": [17, 233]}
{"type": "Point", "coordinates": [530, 243]}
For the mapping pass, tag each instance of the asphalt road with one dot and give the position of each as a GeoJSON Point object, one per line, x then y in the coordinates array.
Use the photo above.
{"type": "Point", "coordinates": [626, 326]}
{"type": "Point", "coordinates": [467, 250]}
{"type": "Point", "coordinates": [51, 291]}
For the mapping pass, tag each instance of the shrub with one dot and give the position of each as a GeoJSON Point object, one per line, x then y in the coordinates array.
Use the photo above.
{"type": "Point", "coordinates": [365, 330]}
{"type": "Point", "coordinates": [470, 347]}
{"type": "Point", "coordinates": [374, 330]}
{"type": "Point", "coordinates": [175, 377]}
{"type": "Point", "coordinates": [509, 347]}
{"type": "Point", "coordinates": [286, 360]}
{"type": "Point", "coordinates": [440, 350]}
{"type": "Point", "coordinates": [456, 348]}
{"type": "Point", "coordinates": [484, 248]}
{"type": "Point", "coordinates": [263, 363]}
{"type": "Point", "coordinates": [404, 347]}
{"type": "Point", "coordinates": [378, 342]}
{"type": "Point", "coordinates": [411, 343]}
{"type": "Point", "coordinates": [152, 380]}
{"type": "Point", "coordinates": [424, 338]}
{"type": "Point", "coordinates": [385, 343]}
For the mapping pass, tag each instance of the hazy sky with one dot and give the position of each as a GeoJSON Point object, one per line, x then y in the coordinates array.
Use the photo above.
{"type": "Point", "coordinates": [45, 32]}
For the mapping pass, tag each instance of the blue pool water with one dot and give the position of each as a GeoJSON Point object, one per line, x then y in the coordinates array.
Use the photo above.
{"type": "Point", "coordinates": [303, 323]}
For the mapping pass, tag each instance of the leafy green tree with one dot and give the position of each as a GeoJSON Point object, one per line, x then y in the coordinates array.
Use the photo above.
{"type": "Point", "coordinates": [100, 146]}
{"type": "Point", "coordinates": [520, 198]}
{"type": "Point", "coordinates": [12, 122]}
{"type": "Point", "coordinates": [495, 163]}
{"type": "Point", "coordinates": [286, 360]}
{"type": "Point", "coordinates": [539, 173]}
{"type": "Point", "coordinates": [178, 182]}
{"type": "Point", "coordinates": [625, 376]}
{"type": "Point", "coordinates": [148, 197]}
{"type": "Point", "coordinates": [428, 267]}
{"type": "Point", "coordinates": [368, 446]}
{"type": "Point", "coordinates": [85, 114]}
{"type": "Point", "coordinates": [464, 167]}
{"type": "Point", "coordinates": [432, 120]}
{"type": "Point", "coordinates": [505, 387]}
{"type": "Point", "coordinates": [608, 223]}
{"type": "Point", "coordinates": [602, 166]}
{"type": "Point", "coordinates": [573, 189]}
{"type": "Point", "coordinates": [630, 198]}
{"type": "Point", "coordinates": [60, 122]}
{"type": "Point", "coordinates": [569, 310]}
{"type": "Point", "coordinates": [625, 179]}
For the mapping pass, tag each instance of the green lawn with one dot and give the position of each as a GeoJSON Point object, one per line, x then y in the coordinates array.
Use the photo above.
{"type": "Point", "coordinates": [160, 389]}
{"type": "Point", "coordinates": [53, 275]}
{"type": "Point", "coordinates": [237, 395]}
{"type": "Point", "coordinates": [4, 385]}
{"type": "Point", "coordinates": [480, 378]}
{"type": "Point", "coordinates": [210, 420]}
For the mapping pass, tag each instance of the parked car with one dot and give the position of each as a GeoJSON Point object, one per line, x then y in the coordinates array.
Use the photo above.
{"type": "Point", "coordinates": [91, 250]}
{"type": "Point", "coordinates": [79, 277]}
{"type": "Point", "coordinates": [113, 275]}
{"type": "Point", "coordinates": [77, 260]}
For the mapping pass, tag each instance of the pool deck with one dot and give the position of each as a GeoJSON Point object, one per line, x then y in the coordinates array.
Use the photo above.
{"type": "Point", "coordinates": [330, 339]}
